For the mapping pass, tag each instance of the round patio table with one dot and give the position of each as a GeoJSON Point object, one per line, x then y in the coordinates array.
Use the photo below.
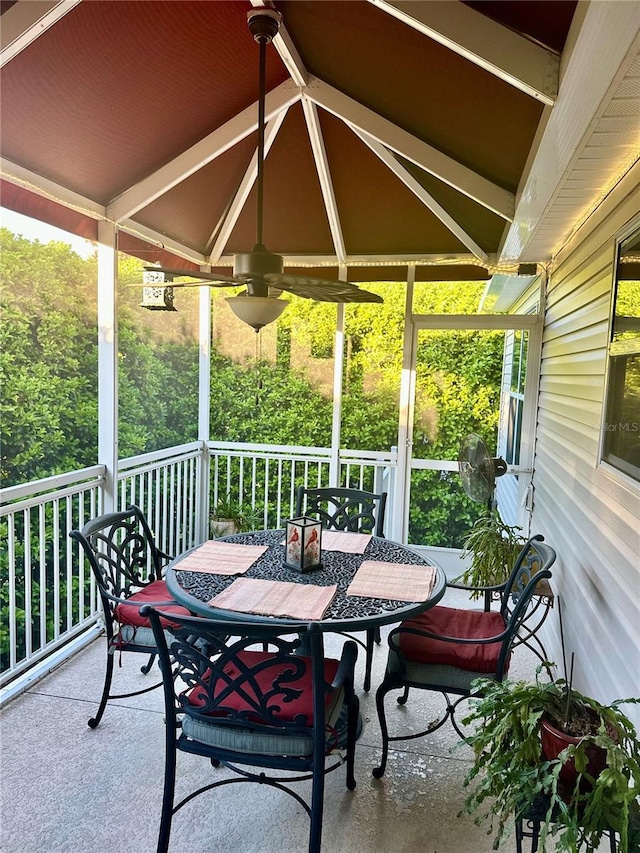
{"type": "Point", "coordinates": [195, 590]}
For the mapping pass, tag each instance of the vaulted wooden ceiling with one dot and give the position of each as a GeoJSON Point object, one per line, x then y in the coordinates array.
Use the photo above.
{"type": "Point", "coordinates": [433, 132]}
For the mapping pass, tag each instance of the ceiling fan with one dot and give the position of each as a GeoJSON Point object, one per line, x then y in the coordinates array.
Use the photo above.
{"type": "Point", "coordinates": [258, 270]}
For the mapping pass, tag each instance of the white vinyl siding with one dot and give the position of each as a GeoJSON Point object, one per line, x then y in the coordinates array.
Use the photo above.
{"type": "Point", "coordinates": [587, 511]}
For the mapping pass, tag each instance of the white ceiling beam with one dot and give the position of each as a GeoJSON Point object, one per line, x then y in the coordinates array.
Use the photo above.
{"type": "Point", "coordinates": [291, 58]}
{"type": "Point", "coordinates": [419, 191]}
{"type": "Point", "coordinates": [203, 152]}
{"type": "Point", "coordinates": [603, 45]}
{"type": "Point", "coordinates": [135, 229]}
{"type": "Point", "coordinates": [425, 156]}
{"type": "Point", "coordinates": [516, 60]}
{"type": "Point", "coordinates": [221, 234]}
{"type": "Point", "coordinates": [18, 175]}
{"type": "Point", "coordinates": [25, 21]}
{"type": "Point", "coordinates": [319, 261]}
{"type": "Point", "coordinates": [283, 43]}
{"type": "Point", "coordinates": [324, 176]}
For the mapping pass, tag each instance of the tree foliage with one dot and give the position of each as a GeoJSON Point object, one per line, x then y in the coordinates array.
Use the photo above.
{"type": "Point", "coordinates": [48, 362]}
{"type": "Point", "coordinates": [49, 366]}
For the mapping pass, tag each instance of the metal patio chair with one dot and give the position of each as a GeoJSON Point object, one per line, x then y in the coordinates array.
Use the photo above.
{"type": "Point", "coordinates": [542, 601]}
{"type": "Point", "coordinates": [253, 702]}
{"type": "Point", "coordinates": [445, 649]}
{"type": "Point", "coordinates": [354, 511]}
{"type": "Point", "coordinates": [127, 566]}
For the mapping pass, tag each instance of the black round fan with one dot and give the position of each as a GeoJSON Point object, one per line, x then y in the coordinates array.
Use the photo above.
{"type": "Point", "coordinates": [478, 469]}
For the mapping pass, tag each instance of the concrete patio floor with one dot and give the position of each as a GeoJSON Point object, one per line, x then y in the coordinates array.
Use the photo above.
{"type": "Point", "coordinates": [68, 788]}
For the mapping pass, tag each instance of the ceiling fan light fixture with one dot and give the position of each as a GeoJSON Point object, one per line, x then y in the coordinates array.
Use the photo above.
{"type": "Point", "coordinates": [256, 311]}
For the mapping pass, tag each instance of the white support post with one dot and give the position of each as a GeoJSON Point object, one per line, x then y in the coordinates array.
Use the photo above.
{"type": "Point", "coordinates": [204, 401]}
{"type": "Point", "coordinates": [400, 520]}
{"type": "Point", "coordinates": [529, 432]}
{"type": "Point", "coordinates": [338, 368]}
{"type": "Point", "coordinates": [108, 361]}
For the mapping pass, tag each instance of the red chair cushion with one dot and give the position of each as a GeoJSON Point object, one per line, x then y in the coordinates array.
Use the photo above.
{"type": "Point", "coordinates": [452, 622]}
{"type": "Point", "coordinates": [155, 593]}
{"type": "Point", "coordinates": [303, 704]}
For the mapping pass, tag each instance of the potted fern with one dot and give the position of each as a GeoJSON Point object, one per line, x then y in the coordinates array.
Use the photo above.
{"type": "Point", "coordinates": [493, 547]}
{"type": "Point", "coordinates": [230, 516]}
{"type": "Point", "coordinates": [589, 787]}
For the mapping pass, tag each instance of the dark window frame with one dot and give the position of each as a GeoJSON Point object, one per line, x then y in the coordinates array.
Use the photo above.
{"type": "Point", "coordinates": [620, 445]}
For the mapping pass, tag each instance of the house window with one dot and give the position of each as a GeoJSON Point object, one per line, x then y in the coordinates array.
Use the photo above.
{"type": "Point", "coordinates": [621, 427]}
{"type": "Point", "coordinates": [516, 345]}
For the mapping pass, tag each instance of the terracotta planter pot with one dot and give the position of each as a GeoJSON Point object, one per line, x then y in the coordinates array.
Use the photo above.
{"type": "Point", "coordinates": [554, 741]}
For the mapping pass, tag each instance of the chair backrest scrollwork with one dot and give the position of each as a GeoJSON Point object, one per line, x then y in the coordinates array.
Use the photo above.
{"type": "Point", "coordinates": [532, 566]}
{"type": "Point", "coordinates": [352, 510]}
{"type": "Point", "coordinates": [227, 677]}
{"type": "Point", "coordinates": [122, 553]}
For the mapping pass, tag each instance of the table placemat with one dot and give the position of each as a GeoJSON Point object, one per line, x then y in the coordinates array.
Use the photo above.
{"type": "Point", "coordinates": [221, 558]}
{"type": "Point", "coordinates": [276, 598]}
{"type": "Point", "coordinates": [347, 543]}
{"type": "Point", "coordinates": [397, 581]}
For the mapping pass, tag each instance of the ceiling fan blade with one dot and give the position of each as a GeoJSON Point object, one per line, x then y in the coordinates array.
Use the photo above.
{"type": "Point", "coordinates": [321, 289]}
{"type": "Point", "coordinates": [171, 284]}
{"type": "Point", "coordinates": [231, 282]}
{"type": "Point", "coordinates": [203, 277]}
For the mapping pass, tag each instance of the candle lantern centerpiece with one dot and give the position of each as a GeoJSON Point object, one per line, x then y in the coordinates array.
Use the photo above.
{"type": "Point", "coordinates": [303, 551]}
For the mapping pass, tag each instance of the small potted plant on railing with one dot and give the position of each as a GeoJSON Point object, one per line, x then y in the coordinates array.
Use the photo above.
{"type": "Point", "coordinates": [589, 786]}
{"type": "Point", "coordinates": [229, 517]}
